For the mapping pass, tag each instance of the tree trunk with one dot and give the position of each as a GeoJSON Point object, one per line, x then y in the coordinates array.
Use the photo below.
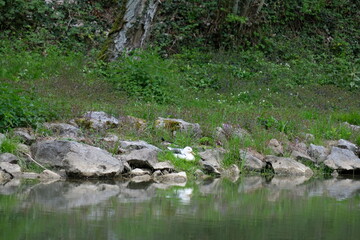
{"type": "Point", "coordinates": [132, 28]}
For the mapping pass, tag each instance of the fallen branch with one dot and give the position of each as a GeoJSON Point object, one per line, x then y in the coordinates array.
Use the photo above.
{"type": "Point", "coordinates": [39, 163]}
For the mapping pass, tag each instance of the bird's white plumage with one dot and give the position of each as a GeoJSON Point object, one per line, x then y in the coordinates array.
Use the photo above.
{"type": "Point", "coordinates": [186, 153]}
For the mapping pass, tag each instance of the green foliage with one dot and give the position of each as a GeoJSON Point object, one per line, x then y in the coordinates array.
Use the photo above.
{"type": "Point", "coordinates": [179, 164]}
{"type": "Point", "coordinates": [9, 145]}
{"type": "Point", "coordinates": [352, 117]}
{"type": "Point", "coordinates": [18, 109]}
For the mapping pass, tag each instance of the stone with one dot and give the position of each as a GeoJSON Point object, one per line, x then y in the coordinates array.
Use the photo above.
{"type": "Point", "coordinates": [276, 147]}
{"type": "Point", "coordinates": [4, 176]}
{"type": "Point", "coordinates": [232, 173]}
{"type": "Point", "coordinates": [199, 174]}
{"type": "Point", "coordinates": [347, 145]}
{"type": "Point", "coordinates": [78, 159]}
{"type": "Point", "coordinates": [2, 138]}
{"type": "Point", "coordinates": [175, 125]}
{"type": "Point", "coordinates": [309, 137]}
{"type": "Point", "coordinates": [173, 178]}
{"type": "Point", "coordinates": [8, 157]}
{"type": "Point", "coordinates": [210, 168]}
{"type": "Point", "coordinates": [30, 175]}
{"type": "Point", "coordinates": [25, 134]}
{"type": "Point", "coordinates": [157, 173]}
{"type": "Point", "coordinates": [63, 130]}
{"type": "Point", "coordinates": [299, 156]}
{"type": "Point", "coordinates": [133, 122]}
{"type": "Point", "coordinates": [354, 128]}
{"type": "Point", "coordinates": [97, 120]}
{"type": "Point", "coordinates": [13, 169]}
{"type": "Point", "coordinates": [164, 166]}
{"type": "Point", "coordinates": [288, 166]}
{"type": "Point", "coordinates": [47, 174]}
{"type": "Point", "coordinates": [214, 156]}
{"type": "Point", "coordinates": [127, 167]}
{"type": "Point", "coordinates": [128, 146]}
{"type": "Point", "coordinates": [143, 158]}
{"type": "Point", "coordinates": [228, 131]}
{"type": "Point", "coordinates": [23, 149]}
{"type": "Point", "coordinates": [139, 172]}
{"type": "Point", "coordinates": [318, 153]}
{"type": "Point", "coordinates": [342, 159]}
{"type": "Point", "coordinates": [141, 178]}
{"type": "Point", "coordinates": [111, 138]}
{"type": "Point", "coordinates": [251, 162]}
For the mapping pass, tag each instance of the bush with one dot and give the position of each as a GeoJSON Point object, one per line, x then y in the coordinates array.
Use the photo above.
{"type": "Point", "coordinates": [18, 110]}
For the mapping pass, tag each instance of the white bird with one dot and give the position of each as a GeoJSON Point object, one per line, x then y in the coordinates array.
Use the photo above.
{"type": "Point", "coordinates": [186, 153]}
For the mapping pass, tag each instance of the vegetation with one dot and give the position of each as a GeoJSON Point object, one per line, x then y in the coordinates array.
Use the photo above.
{"type": "Point", "coordinates": [276, 68]}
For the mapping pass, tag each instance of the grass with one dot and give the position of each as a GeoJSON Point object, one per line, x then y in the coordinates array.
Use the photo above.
{"type": "Point", "coordinates": [268, 99]}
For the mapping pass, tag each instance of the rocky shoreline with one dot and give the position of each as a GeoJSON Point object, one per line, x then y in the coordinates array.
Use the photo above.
{"type": "Point", "coordinates": [66, 153]}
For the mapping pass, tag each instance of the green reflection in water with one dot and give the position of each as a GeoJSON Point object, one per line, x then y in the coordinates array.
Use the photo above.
{"type": "Point", "coordinates": [251, 208]}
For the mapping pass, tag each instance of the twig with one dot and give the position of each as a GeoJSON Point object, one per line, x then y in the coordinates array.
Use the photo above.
{"type": "Point", "coordinates": [38, 163]}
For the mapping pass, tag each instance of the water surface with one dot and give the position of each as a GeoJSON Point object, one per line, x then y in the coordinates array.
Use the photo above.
{"type": "Point", "coordinates": [250, 208]}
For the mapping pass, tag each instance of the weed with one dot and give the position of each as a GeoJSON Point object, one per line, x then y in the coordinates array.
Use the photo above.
{"type": "Point", "coordinates": [9, 145]}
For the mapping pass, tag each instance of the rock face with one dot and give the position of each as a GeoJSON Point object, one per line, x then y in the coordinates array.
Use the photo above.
{"type": "Point", "coordinates": [78, 160]}
{"type": "Point", "coordinates": [180, 125]}
{"type": "Point", "coordinates": [63, 129]}
{"type": "Point", "coordinates": [97, 120]}
{"type": "Point", "coordinates": [347, 145]}
{"type": "Point", "coordinates": [318, 153]}
{"type": "Point", "coordinates": [213, 156]}
{"type": "Point", "coordinates": [251, 162]}
{"type": "Point", "coordinates": [10, 168]}
{"type": "Point", "coordinates": [8, 157]}
{"type": "Point", "coordinates": [139, 154]}
{"type": "Point", "coordinates": [288, 166]}
{"type": "Point", "coordinates": [342, 159]}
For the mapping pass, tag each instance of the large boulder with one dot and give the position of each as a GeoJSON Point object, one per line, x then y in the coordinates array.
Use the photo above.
{"type": "Point", "coordinates": [128, 146]}
{"type": "Point", "coordinates": [251, 161]}
{"type": "Point", "coordinates": [214, 156]}
{"type": "Point", "coordinates": [288, 166]}
{"type": "Point", "coordinates": [347, 145]}
{"type": "Point", "coordinates": [318, 153]}
{"type": "Point", "coordinates": [175, 125]}
{"type": "Point", "coordinates": [11, 168]}
{"type": "Point", "coordinates": [97, 120]}
{"type": "Point", "coordinates": [63, 129]}
{"type": "Point", "coordinates": [78, 159]}
{"type": "Point", "coordinates": [342, 159]}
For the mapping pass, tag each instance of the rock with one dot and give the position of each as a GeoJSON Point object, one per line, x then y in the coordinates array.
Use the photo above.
{"type": "Point", "coordinates": [47, 174]}
{"type": "Point", "coordinates": [133, 122]}
{"type": "Point", "coordinates": [299, 156]}
{"type": "Point", "coordinates": [141, 178]}
{"type": "Point", "coordinates": [97, 120]}
{"type": "Point", "coordinates": [213, 156]}
{"type": "Point", "coordinates": [342, 159]}
{"type": "Point", "coordinates": [199, 174]}
{"type": "Point", "coordinates": [127, 167]}
{"type": "Point", "coordinates": [2, 138]}
{"type": "Point", "coordinates": [63, 130]}
{"type": "Point", "coordinates": [347, 145]}
{"type": "Point", "coordinates": [13, 169]}
{"type": "Point", "coordinates": [30, 175]}
{"type": "Point", "coordinates": [354, 128]}
{"type": "Point", "coordinates": [78, 159]}
{"type": "Point", "coordinates": [180, 125]}
{"type": "Point", "coordinates": [164, 166]}
{"type": "Point", "coordinates": [251, 162]}
{"type": "Point", "coordinates": [318, 153]}
{"type": "Point", "coordinates": [276, 147]}
{"type": "Point", "coordinates": [228, 131]}
{"type": "Point", "coordinates": [309, 137]}
{"type": "Point", "coordinates": [143, 158]}
{"type": "Point", "coordinates": [23, 149]}
{"type": "Point", "coordinates": [25, 134]}
{"type": "Point", "coordinates": [8, 157]}
{"type": "Point", "coordinates": [288, 166]}
{"type": "Point", "coordinates": [232, 173]}
{"type": "Point", "coordinates": [173, 178]}
{"type": "Point", "coordinates": [157, 173]}
{"type": "Point", "coordinates": [111, 138]}
{"type": "Point", "coordinates": [4, 176]}
{"type": "Point", "coordinates": [210, 168]}
{"type": "Point", "coordinates": [128, 146]}
{"type": "Point", "coordinates": [139, 172]}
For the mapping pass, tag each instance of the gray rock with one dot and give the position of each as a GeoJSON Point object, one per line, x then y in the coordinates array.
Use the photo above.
{"type": "Point", "coordinates": [133, 122]}
{"type": "Point", "coordinates": [164, 166]}
{"type": "Point", "coordinates": [2, 138]}
{"type": "Point", "coordinates": [299, 156]}
{"type": "Point", "coordinates": [251, 162]}
{"type": "Point", "coordinates": [97, 120]}
{"type": "Point", "coordinates": [111, 138]}
{"type": "Point", "coordinates": [213, 156]}
{"type": "Point", "coordinates": [318, 153]}
{"type": "Point", "coordinates": [139, 172]}
{"type": "Point", "coordinates": [157, 173]}
{"type": "Point", "coordinates": [354, 128]}
{"type": "Point", "coordinates": [127, 167]}
{"type": "Point", "coordinates": [30, 175]}
{"type": "Point", "coordinates": [129, 146]}
{"type": "Point", "coordinates": [143, 158]}
{"type": "Point", "coordinates": [47, 174]}
{"type": "Point", "coordinates": [63, 129]}
{"type": "Point", "coordinates": [141, 178]}
{"type": "Point", "coordinates": [347, 145]}
{"type": "Point", "coordinates": [13, 169]}
{"type": "Point", "coordinates": [309, 137]}
{"type": "Point", "coordinates": [276, 147]}
{"type": "Point", "coordinates": [8, 157]}
{"type": "Point", "coordinates": [199, 174]}
{"type": "Point", "coordinates": [78, 160]}
{"type": "Point", "coordinates": [288, 166]}
{"type": "Point", "coordinates": [210, 168]}
{"type": "Point", "coordinates": [180, 125]}
{"type": "Point", "coordinates": [4, 176]}
{"type": "Point", "coordinates": [342, 159]}
{"type": "Point", "coordinates": [25, 134]}
{"type": "Point", "coordinates": [232, 173]}
{"type": "Point", "coordinates": [228, 131]}
{"type": "Point", "coordinates": [173, 178]}
{"type": "Point", "coordinates": [23, 149]}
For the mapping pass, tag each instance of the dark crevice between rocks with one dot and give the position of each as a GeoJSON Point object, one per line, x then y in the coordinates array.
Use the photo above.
{"type": "Point", "coordinates": [355, 172]}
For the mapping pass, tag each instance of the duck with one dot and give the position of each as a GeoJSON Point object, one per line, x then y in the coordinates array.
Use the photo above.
{"type": "Point", "coordinates": [183, 153]}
